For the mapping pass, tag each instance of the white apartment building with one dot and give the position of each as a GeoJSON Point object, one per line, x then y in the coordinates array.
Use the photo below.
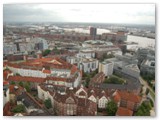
{"type": "Point", "coordinates": [72, 59]}
{"type": "Point", "coordinates": [106, 67]}
{"type": "Point", "coordinates": [88, 64]}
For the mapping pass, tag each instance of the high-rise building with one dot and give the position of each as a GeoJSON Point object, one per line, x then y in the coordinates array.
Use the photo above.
{"type": "Point", "coordinates": [93, 32]}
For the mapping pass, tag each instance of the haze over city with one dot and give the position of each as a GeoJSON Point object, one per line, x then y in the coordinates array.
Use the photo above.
{"type": "Point", "coordinates": [91, 13]}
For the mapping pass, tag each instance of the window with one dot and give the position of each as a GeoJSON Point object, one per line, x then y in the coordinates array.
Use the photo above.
{"type": "Point", "coordinates": [93, 65]}
{"type": "Point", "coordinates": [70, 109]}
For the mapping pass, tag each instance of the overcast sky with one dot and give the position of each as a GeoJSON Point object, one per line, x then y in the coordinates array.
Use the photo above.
{"type": "Point", "coordinates": [94, 13]}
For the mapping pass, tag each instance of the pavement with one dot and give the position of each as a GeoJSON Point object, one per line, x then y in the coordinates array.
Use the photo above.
{"type": "Point", "coordinates": [143, 82]}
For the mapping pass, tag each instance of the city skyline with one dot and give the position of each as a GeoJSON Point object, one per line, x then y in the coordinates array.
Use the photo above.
{"type": "Point", "coordinates": [85, 13]}
{"type": "Point", "coordinates": [79, 60]}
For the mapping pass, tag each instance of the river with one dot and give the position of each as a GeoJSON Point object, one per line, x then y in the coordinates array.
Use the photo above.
{"type": "Point", "coordinates": [142, 42]}
{"type": "Point", "coordinates": [82, 30]}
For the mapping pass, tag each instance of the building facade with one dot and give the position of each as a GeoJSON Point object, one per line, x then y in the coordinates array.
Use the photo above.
{"type": "Point", "coordinates": [88, 65]}
{"type": "Point", "coordinates": [106, 68]}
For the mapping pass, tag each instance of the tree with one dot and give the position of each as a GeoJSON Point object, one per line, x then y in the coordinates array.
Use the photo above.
{"type": "Point", "coordinates": [46, 52]}
{"type": "Point", "coordinates": [115, 80]}
{"type": "Point", "coordinates": [20, 83]}
{"type": "Point", "coordinates": [111, 108]}
{"type": "Point", "coordinates": [87, 82]}
{"type": "Point", "coordinates": [106, 56]}
{"type": "Point", "coordinates": [47, 103]}
{"type": "Point", "coordinates": [144, 109]}
{"type": "Point", "coordinates": [27, 87]}
{"type": "Point", "coordinates": [56, 51]}
{"type": "Point", "coordinates": [19, 109]}
{"type": "Point", "coordinates": [151, 102]}
{"type": "Point", "coordinates": [13, 83]}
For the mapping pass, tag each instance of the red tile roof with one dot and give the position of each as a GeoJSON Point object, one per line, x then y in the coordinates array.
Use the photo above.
{"type": "Point", "coordinates": [15, 65]}
{"type": "Point", "coordinates": [47, 71]}
{"type": "Point", "coordinates": [17, 91]}
{"type": "Point", "coordinates": [129, 96]}
{"type": "Point", "coordinates": [56, 79]}
{"type": "Point", "coordinates": [49, 62]}
{"type": "Point", "coordinates": [62, 98]}
{"type": "Point", "coordinates": [28, 79]}
{"type": "Point", "coordinates": [98, 78]}
{"type": "Point", "coordinates": [117, 98]}
{"type": "Point", "coordinates": [5, 74]}
{"type": "Point", "coordinates": [5, 83]}
{"type": "Point", "coordinates": [74, 69]}
{"type": "Point", "coordinates": [124, 112]}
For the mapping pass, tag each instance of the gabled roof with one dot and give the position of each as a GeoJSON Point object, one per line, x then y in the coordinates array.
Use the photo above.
{"type": "Point", "coordinates": [91, 92]}
{"type": "Point", "coordinates": [61, 98]}
{"type": "Point", "coordinates": [102, 93]}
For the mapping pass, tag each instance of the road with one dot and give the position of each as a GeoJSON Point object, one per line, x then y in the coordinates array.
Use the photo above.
{"type": "Point", "coordinates": [143, 82]}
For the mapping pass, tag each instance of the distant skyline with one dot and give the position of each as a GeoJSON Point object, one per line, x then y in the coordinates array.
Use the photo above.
{"type": "Point", "coordinates": [87, 13]}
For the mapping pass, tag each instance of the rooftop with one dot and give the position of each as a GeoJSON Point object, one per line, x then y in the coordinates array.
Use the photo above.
{"type": "Point", "coordinates": [133, 67]}
{"type": "Point", "coordinates": [88, 60]}
{"type": "Point", "coordinates": [129, 96]}
{"type": "Point", "coordinates": [28, 79]}
{"type": "Point", "coordinates": [106, 62]}
{"type": "Point", "coordinates": [17, 90]}
{"type": "Point", "coordinates": [28, 100]}
{"type": "Point", "coordinates": [38, 64]}
{"type": "Point", "coordinates": [86, 51]}
{"type": "Point", "coordinates": [124, 112]}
